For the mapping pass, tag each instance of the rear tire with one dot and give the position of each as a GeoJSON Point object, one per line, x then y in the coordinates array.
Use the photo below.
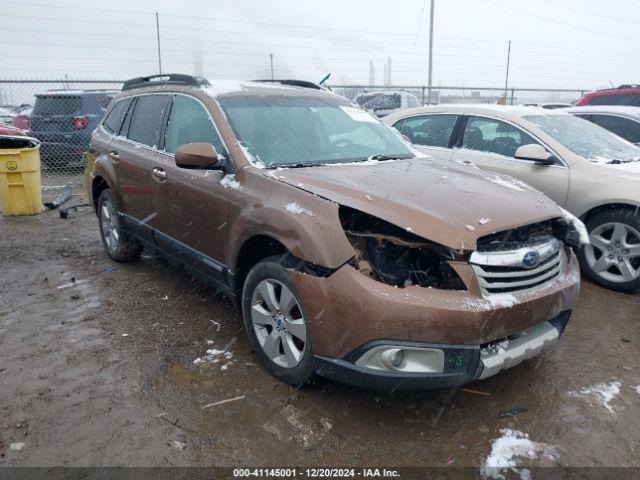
{"type": "Point", "coordinates": [118, 244]}
{"type": "Point", "coordinates": [276, 324]}
{"type": "Point", "coordinates": [613, 258]}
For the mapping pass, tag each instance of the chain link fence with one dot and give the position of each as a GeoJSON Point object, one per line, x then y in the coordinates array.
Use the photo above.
{"type": "Point", "coordinates": [457, 94]}
{"type": "Point", "coordinates": [63, 113]}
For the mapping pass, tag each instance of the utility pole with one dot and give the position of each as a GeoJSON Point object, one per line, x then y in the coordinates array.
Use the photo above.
{"type": "Point", "coordinates": [372, 74]}
{"type": "Point", "coordinates": [429, 85]}
{"type": "Point", "coordinates": [271, 61]}
{"type": "Point", "coordinates": [389, 71]}
{"type": "Point", "coordinates": [158, 37]}
{"type": "Point", "coordinates": [506, 82]}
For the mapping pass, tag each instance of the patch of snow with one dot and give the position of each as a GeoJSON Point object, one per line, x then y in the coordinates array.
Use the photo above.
{"type": "Point", "coordinates": [604, 393]}
{"type": "Point", "coordinates": [16, 446]}
{"type": "Point", "coordinates": [471, 228]}
{"type": "Point", "coordinates": [214, 355]}
{"type": "Point", "coordinates": [229, 181]}
{"type": "Point", "coordinates": [502, 300]}
{"type": "Point", "coordinates": [637, 389]}
{"type": "Point", "coordinates": [297, 209]}
{"type": "Point", "coordinates": [508, 183]}
{"type": "Point", "coordinates": [484, 221]}
{"type": "Point", "coordinates": [177, 445]}
{"type": "Point", "coordinates": [505, 451]}
{"type": "Point", "coordinates": [409, 229]}
{"type": "Point", "coordinates": [578, 225]}
{"type": "Point", "coordinates": [125, 334]}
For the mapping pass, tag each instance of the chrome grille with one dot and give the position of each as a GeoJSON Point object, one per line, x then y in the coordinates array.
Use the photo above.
{"type": "Point", "coordinates": [520, 269]}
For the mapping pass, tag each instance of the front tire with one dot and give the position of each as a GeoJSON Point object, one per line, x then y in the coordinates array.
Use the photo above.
{"type": "Point", "coordinates": [612, 260]}
{"type": "Point", "coordinates": [276, 324]}
{"type": "Point", "coordinates": [118, 244]}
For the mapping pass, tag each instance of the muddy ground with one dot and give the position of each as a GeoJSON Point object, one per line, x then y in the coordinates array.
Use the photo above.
{"type": "Point", "coordinates": [97, 368]}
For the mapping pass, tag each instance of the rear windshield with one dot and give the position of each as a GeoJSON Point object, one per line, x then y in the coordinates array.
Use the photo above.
{"type": "Point", "coordinates": [57, 105]}
{"type": "Point", "coordinates": [380, 101]}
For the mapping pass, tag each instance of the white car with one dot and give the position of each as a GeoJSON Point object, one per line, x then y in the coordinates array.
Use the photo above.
{"type": "Point", "coordinates": [584, 168]}
{"type": "Point", "coordinates": [386, 102]}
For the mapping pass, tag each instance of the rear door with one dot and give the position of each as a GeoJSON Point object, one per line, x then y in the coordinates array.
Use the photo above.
{"type": "Point", "coordinates": [135, 158]}
{"type": "Point", "coordinates": [491, 144]}
{"type": "Point", "coordinates": [431, 133]}
{"type": "Point", "coordinates": [192, 204]}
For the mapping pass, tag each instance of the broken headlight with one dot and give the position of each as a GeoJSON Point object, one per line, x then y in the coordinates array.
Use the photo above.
{"type": "Point", "coordinates": [391, 255]}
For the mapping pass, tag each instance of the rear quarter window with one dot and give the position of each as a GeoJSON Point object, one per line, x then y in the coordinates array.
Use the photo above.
{"type": "Point", "coordinates": [114, 118]}
{"type": "Point", "coordinates": [57, 105]}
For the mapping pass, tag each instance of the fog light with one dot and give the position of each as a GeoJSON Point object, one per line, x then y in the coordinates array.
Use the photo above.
{"type": "Point", "coordinates": [393, 358]}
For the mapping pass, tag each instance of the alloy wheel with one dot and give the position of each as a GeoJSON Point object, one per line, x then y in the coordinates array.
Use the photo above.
{"type": "Point", "coordinates": [109, 225]}
{"type": "Point", "coordinates": [614, 252]}
{"type": "Point", "coordinates": [278, 323]}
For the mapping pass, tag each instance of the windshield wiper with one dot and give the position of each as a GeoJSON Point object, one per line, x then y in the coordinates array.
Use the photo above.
{"type": "Point", "coordinates": [382, 158]}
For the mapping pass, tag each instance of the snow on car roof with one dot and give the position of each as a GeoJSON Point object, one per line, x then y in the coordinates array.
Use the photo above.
{"type": "Point", "coordinates": [508, 112]}
{"type": "Point", "coordinates": [619, 109]}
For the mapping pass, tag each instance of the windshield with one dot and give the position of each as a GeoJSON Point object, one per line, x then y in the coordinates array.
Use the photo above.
{"type": "Point", "coordinates": [380, 101]}
{"type": "Point", "coordinates": [297, 131]}
{"type": "Point", "coordinates": [586, 139]}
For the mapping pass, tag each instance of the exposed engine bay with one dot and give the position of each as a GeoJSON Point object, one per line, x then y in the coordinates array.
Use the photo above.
{"type": "Point", "coordinates": [394, 256]}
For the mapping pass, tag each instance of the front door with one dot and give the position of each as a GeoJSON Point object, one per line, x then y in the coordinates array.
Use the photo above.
{"type": "Point", "coordinates": [193, 203]}
{"type": "Point", "coordinates": [491, 144]}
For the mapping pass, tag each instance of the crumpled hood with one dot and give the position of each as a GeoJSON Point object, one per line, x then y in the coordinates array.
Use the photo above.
{"type": "Point", "coordinates": [442, 201]}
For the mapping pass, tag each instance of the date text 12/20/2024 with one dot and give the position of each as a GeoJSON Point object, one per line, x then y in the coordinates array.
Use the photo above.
{"type": "Point", "coordinates": [315, 473]}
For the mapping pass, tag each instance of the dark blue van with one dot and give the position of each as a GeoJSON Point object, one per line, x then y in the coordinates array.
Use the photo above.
{"type": "Point", "coordinates": [63, 121]}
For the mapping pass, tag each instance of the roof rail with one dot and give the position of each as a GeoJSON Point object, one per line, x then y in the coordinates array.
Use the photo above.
{"type": "Point", "coordinates": [294, 83]}
{"type": "Point", "coordinates": [164, 79]}
{"type": "Point", "coordinates": [629, 85]}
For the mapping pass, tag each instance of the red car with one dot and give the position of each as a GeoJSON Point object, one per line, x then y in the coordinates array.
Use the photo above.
{"type": "Point", "coordinates": [623, 95]}
{"type": "Point", "coordinates": [9, 130]}
{"type": "Point", "coordinates": [23, 119]}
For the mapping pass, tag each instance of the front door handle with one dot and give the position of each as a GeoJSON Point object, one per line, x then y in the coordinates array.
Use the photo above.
{"type": "Point", "coordinates": [113, 155]}
{"type": "Point", "coordinates": [159, 173]}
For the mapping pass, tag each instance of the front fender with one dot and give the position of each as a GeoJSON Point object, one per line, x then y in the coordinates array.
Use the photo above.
{"type": "Point", "coordinates": [308, 226]}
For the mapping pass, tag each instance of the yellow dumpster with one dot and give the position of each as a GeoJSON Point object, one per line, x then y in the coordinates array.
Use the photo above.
{"type": "Point", "coordinates": [20, 186]}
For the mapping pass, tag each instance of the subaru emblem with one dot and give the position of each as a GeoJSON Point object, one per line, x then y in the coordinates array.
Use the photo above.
{"type": "Point", "coordinates": [530, 259]}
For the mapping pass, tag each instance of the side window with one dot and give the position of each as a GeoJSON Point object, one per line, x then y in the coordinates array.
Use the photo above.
{"type": "Point", "coordinates": [431, 130]}
{"type": "Point", "coordinates": [489, 135]}
{"type": "Point", "coordinates": [147, 118]}
{"type": "Point", "coordinates": [114, 118]}
{"type": "Point", "coordinates": [623, 127]}
{"type": "Point", "coordinates": [189, 122]}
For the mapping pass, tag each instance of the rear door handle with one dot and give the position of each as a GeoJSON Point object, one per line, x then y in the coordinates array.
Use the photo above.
{"type": "Point", "coordinates": [113, 155]}
{"type": "Point", "coordinates": [159, 173]}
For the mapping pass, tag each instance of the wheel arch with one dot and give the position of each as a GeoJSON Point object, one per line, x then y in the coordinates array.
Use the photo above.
{"type": "Point", "coordinates": [98, 185]}
{"type": "Point", "coordinates": [608, 207]}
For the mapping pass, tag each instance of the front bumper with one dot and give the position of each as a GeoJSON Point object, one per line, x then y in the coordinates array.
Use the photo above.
{"type": "Point", "coordinates": [463, 363]}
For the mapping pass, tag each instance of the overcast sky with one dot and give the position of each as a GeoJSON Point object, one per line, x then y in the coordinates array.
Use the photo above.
{"type": "Point", "coordinates": [555, 43]}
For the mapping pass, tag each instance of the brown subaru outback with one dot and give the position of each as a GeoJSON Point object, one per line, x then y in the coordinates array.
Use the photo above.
{"type": "Point", "coordinates": [350, 254]}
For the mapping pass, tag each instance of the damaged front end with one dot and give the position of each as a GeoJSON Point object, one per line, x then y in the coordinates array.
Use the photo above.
{"type": "Point", "coordinates": [396, 256]}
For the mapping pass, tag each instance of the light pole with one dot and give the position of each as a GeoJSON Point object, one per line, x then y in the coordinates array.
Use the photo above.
{"type": "Point", "coordinates": [430, 53]}
{"type": "Point", "coordinates": [506, 82]}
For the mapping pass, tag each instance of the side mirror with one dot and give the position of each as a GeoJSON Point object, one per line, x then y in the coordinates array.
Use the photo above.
{"type": "Point", "coordinates": [196, 155]}
{"type": "Point", "coordinates": [536, 153]}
